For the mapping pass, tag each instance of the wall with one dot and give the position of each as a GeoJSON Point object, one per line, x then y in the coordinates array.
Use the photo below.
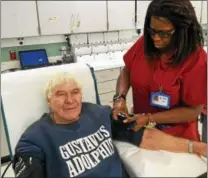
{"type": "Point", "coordinates": [52, 49]}
{"type": "Point", "coordinates": [54, 43]}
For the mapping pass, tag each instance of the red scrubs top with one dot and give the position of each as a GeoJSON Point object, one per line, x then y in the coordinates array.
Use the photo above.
{"type": "Point", "coordinates": [186, 84]}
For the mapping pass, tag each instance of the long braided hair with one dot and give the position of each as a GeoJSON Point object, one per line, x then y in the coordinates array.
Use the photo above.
{"type": "Point", "coordinates": [188, 34]}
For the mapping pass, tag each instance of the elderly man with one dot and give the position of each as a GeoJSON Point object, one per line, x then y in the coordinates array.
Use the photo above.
{"type": "Point", "coordinates": [75, 138]}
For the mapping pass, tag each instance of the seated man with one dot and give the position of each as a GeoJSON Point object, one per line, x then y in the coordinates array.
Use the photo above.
{"type": "Point", "coordinates": [75, 138]}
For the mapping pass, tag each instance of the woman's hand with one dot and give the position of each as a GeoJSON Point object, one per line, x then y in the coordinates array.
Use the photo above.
{"type": "Point", "coordinates": [119, 106]}
{"type": "Point", "coordinates": [141, 121]}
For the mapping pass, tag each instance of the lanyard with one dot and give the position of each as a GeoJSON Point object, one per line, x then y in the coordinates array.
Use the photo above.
{"type": "Point", "coordinates": [160, 87]}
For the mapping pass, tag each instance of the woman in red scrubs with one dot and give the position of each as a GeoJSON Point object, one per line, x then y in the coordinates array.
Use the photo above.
{"type": "Point", "coordinates": [167, 70]}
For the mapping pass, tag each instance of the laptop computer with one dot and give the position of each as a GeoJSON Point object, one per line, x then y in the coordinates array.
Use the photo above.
{"type": "Point", "coordinates": [33, 59]}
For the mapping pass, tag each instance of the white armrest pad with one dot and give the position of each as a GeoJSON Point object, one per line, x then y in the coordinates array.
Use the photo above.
{"type": "Point", "coordinates": [146, 163]}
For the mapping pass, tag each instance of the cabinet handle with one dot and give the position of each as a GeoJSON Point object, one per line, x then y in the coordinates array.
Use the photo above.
{"type": "Point", "coordinates": [72, 23]}
{"type": "Point", "coordinates": [78, 21]}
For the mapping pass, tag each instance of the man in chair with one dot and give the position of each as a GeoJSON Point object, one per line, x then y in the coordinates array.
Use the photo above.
{"type": "Point", "coordinates": [75, 138]}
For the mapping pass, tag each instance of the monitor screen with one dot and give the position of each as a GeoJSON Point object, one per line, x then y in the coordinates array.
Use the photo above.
{"type": "Point", "coordinates": [33, 58]}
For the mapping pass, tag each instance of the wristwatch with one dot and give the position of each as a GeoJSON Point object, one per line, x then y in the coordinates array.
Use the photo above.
{"type": "Point", "coordinates": [151, 123]}
{"type": "Point", "coordinates": [118, 96]}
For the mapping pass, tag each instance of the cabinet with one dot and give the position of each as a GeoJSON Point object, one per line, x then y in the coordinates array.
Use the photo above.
{"type": "Point", "coordinates": [106, 82]}
{"type": "Point", "coordinates": [92, 16]}
{"type": "Point", "coordinates": [142, 7]}
{"type": "Point", "coordinates": [204, 12]}
{"type": "Point", "coordinates": [18, 19]}
{"type": "Point", "coordinates": [197, 6]}
{"type": "Point", "coordinates": [121, 15]}
{"type": "Point", "coordinates": [64, 17]}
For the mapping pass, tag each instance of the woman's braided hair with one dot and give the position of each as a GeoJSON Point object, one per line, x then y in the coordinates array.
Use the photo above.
{"type": "Point", "coordinates": [188, 35]}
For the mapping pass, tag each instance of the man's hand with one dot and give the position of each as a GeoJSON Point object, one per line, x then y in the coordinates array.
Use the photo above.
{"type": "Point", "coordinates": [119, 106]}
{"type": "Point", "coordinates": [141, 120]}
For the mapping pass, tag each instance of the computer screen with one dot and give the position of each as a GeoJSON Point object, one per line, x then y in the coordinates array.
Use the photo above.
{"type": "Point", "coordinates": [33, 58]}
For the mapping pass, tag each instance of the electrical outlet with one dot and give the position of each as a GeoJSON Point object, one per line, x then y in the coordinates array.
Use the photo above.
{"type": "Point", "coordinates": [54, 59]}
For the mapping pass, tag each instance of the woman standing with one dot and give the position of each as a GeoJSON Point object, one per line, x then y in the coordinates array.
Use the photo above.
{"type": "Point", "coordinates": [167, 70]}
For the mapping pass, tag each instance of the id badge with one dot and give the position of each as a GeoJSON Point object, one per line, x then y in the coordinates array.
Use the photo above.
{"type": "Point", "coordinates": [160, 99]}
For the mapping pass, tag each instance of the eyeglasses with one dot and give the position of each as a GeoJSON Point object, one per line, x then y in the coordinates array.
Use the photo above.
{"type": "Point", "coordinates": [161, 33]}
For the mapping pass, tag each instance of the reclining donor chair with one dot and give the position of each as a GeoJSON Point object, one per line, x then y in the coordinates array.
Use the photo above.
{"type": "Point", "coordinates": [23, 103]}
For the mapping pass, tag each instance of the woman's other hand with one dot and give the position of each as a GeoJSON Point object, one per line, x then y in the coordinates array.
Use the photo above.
{"type": "Point", "coordinates": [141, 121]}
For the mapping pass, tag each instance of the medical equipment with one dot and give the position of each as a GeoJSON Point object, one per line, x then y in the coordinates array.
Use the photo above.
{"type": "Point", "coordinates": [124, 126]}
{"type": "Point", "coordinates": [3, 174]}
{"type": "Point", "coordinates": [33, 59]}
{"type": "Point", "coordinates": [68, 54]}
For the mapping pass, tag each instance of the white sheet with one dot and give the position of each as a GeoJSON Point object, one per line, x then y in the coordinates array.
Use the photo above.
{"type": "Point", "coordinates": [23, 97]}
{"type": "Point", "coordinates": [145, 163]}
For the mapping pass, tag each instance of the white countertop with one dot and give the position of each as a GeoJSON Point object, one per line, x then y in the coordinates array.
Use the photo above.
{"type": "Point", "coordinates": [103, 63]}
{"type": "Point", "coordinates": [106, 64]}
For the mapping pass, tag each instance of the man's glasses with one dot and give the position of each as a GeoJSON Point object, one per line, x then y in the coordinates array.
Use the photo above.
{"type": "Point", "coordinates": [161, 33]}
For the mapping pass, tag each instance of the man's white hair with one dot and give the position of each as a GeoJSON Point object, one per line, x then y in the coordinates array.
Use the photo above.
{"type": "Point", "coordinates": [58, 79]}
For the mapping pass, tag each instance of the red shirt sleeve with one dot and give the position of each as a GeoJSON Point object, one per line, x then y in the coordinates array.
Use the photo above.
{"type": "Point", "coordinates": [130, 54]}
{"type": "Point", "coordinates": [194, 82]}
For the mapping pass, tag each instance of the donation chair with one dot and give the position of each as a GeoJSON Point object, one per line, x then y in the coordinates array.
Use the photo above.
{"type": "Point", "coordinates": [23, 103]}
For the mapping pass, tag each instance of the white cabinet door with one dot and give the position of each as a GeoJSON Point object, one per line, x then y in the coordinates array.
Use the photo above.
{"type": "Point", "coordinates": [204, 12]}
{"type": "Point", "coordinates": [64, 17]}
{"type": "Point", "coordinates": [197, 6]}
{"type": "Point", "coordinates": [121, 15]}
{"type": "Point", "coordinates": [18, 19]}
{"type": "Point", "coordinates": [55, 16]}
{"type": "Point", "coordinates": [91, 16]}
{"type": "Point", "coordinates": [141, 13]}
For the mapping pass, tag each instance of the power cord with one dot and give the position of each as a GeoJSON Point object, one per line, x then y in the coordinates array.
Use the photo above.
{"type": "Point", "coordinates": [10, 70]}
{"type": "Point", "coordinates": [69, 43]}
{"type": "Point", "coordinates": [6, 169]}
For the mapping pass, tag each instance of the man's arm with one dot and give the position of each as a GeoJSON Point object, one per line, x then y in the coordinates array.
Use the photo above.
{"type": "Point", "coordinates": [121, 132]}
{"type": "Point", "coordinates": [28, 161]}
{"type": "Point", "coordinates": [154, 139]}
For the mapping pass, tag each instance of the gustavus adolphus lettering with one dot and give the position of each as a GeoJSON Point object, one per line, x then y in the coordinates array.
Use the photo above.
{"type": "Point", "coordinates": [86, 153]}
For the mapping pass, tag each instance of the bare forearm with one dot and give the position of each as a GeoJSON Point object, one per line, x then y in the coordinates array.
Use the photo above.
{"type": "Point", "coordinates": [123, 82]}
{"type": "Point", "coordinates": [181, 145]}
{"type": "Point", "coordinates": [154, 139]}
{"type": "Point", "coordinates": [178, 115]}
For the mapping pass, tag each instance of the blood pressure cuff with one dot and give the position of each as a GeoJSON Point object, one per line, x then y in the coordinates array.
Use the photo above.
{"type": "Point", "coordinates": [121, 134]}
{"type": "Point", "coordinates": [28, 167]}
